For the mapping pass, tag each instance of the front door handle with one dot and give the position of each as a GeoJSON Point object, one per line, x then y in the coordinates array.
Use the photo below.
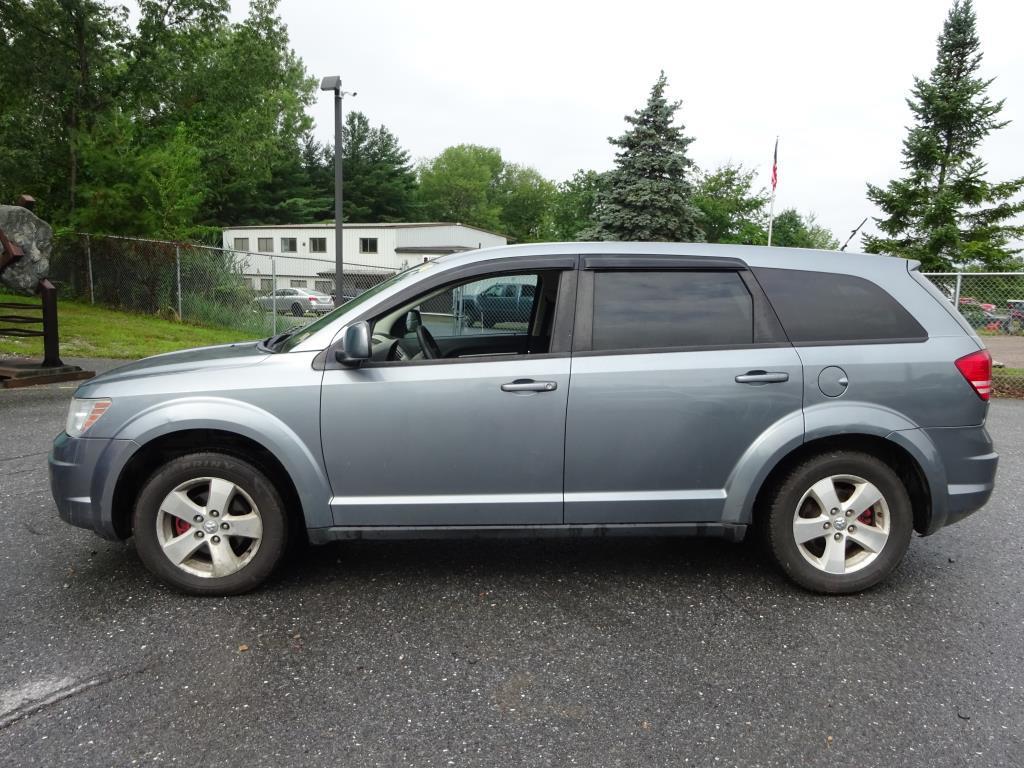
{"type": "Point", "coordinates": [762, 377]}
{"type": "Point", "coordinates": [529, 385]}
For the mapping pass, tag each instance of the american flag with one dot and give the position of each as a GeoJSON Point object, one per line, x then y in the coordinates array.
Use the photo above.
{"type": "Point", "coordinates": [775, 165]}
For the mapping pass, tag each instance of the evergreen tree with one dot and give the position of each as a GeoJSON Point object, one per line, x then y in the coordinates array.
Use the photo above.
{"type": "Point", "coordinates": [379, 179]}
{"type": "Point", "coordinates": [648, 195]}
{"type": "Point", "coordinates": [944, 212]}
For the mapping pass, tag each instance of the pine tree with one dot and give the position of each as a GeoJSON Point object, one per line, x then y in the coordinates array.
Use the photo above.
{"type": "Point", "coordinates": [648, 195]}
{"type": "Point", "coordinates": [944, 212]}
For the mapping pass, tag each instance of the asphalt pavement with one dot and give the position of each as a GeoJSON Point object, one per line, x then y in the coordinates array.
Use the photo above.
{"type": "Point", "coordinates": [505, 653]}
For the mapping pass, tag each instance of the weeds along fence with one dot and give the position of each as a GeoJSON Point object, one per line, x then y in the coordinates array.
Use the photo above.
{"type": "Point", "coordinates": [255, 293]}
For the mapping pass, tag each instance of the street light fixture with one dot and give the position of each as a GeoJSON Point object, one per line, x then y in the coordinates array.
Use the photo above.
{"type": "Point", "coordinates": [333, 83]}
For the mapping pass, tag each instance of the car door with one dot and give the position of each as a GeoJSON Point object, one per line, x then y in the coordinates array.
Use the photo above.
{"type": "Point", "coordinates": [476, 439]}
{"type": "Point", "coordinates": [679, 365]}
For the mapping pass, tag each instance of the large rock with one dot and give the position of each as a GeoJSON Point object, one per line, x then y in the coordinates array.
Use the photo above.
{"type": "Point", "coordinates": [35, 237]}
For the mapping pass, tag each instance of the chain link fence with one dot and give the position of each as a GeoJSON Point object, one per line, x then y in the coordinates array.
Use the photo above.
{"type": "Point", "coordinates": [993, 304]}
{"type": "Point", "coordinates": [257, 294]}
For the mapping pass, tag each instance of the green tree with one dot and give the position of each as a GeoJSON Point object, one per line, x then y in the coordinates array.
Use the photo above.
{"type": "Point", "coordinates": [379, 180]}
{"type": "Point", "coordinates": [944, 211]}
{"type": "Point", "coordinates": [649, 192]}
{"type": "Point", "coordinates": [59, 67]}
{"type": "Point", "coordinates": [460, 185]}
{"type": "Point", "coordinates": [525, 198]}
{"type": "Point", "coordinates": [250, 117]}
{"type": "Point", "coordinates": [310, 187]}
{"type": "Point", "coordinates": [131, 187]}
{"type": "Point", "coordinates": [572, 209]}
{"type": "Point", "coordinates": [74, 71]}
{"type": "Point", "coordinates": [791, 230]}
{"type": "Point", "coordinates": [731, 210]}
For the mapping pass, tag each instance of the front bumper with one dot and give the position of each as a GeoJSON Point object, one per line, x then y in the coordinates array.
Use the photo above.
{"type": "Point", "coordinates": [83, 473]}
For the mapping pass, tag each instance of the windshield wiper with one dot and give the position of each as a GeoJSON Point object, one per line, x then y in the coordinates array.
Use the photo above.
{"type": "Point", "coordinates": [272, 341]}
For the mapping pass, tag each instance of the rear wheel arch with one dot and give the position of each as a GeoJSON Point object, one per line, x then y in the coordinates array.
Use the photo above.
{"type": "Point", "coordinates": [895, 456]}
{"type": "Point", "coordinates": [164, 448]}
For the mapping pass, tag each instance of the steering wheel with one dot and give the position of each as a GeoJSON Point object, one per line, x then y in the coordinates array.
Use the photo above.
{"type": "Point", "coordinates": [426, 339]}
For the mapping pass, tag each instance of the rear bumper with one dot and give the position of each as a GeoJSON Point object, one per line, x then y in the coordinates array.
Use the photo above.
{"type": "Point", "coordinates": [969, 461]}
{"type": "Point", "coordinates": [83, 472]}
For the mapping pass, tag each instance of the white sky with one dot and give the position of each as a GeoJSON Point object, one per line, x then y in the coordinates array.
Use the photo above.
{"type": "Point", "coordinates": [548, 82]}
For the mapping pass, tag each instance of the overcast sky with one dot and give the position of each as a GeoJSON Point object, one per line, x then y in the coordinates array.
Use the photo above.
{"type": "Point", "coordinates": [548, 82]}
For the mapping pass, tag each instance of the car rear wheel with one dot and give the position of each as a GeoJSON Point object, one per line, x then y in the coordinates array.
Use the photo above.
{"type": "Point", "coordinates": [840, 522]}
{"type": "Point", "coordinates": [297, 309]}
{"type": "Point", "coordinates": [210, 524]}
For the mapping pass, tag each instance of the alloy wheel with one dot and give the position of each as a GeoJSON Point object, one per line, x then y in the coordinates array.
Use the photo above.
{"type": "Point", "coordinates": [841, 524]}
{"type": "Point", "coordinates": [209, 527]}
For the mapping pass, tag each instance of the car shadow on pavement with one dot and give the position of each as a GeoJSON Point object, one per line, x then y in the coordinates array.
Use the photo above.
{"type": "Point", "coordinates": [524, 559]}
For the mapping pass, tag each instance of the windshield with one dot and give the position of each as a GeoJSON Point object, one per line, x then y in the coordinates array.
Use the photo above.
{"type": "Point", "coordinates": [298, 337]}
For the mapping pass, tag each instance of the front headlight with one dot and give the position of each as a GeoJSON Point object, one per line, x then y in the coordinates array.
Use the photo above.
{"type": "Point", "coordinates": [83, 414]}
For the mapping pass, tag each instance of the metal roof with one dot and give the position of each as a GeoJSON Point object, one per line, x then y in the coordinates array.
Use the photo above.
{"type": "Point", "coordinates": [329, 225]}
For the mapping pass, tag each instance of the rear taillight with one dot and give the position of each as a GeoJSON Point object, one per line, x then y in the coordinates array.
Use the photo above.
{"type": "Point", "coordinates": [977, 369]}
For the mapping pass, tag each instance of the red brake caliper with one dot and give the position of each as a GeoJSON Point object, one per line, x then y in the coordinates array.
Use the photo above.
{"type": "Point", "coordinates": [180, 526]}
{"type": "Point", "coordinates": [867, 517]}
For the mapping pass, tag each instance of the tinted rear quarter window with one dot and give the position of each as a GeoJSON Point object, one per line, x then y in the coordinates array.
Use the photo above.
{"type": "Point", "coordinates": [824, 307]}
{"type": "Point", "coordinates": [650, 310]}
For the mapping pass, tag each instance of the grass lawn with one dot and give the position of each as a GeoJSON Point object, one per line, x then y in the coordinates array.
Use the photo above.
{"type": "Point", "coordinates": [90, 331]}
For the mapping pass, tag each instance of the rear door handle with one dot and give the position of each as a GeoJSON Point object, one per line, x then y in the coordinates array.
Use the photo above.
{"type": "Point", "coordinates": [529, 385]}
{"type": "Point", "coordinates": [762, 377]}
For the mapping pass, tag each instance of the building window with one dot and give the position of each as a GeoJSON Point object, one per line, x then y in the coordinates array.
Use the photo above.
{"type": "Point", "coordinates": [288, 245]}
{"type": "Point", "coordinates": [367, 244]}
{"type": "Point", "coordinates": [297, 283]}
{"type": "Point", "coordinates": [266, 284]}
{"type": "Point", "coordinates": [325, 286]}
{"type": "Point", "coordinates": [241, 243]}
{"type": "Point", "coordinates": [318, 245]}
{"type": "Point", "coordinates": [265, 244]}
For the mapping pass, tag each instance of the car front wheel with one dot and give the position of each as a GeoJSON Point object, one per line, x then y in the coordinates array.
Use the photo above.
{"type": "Point", "coordinates": [839, 522]}
{"type": "Point", "coordinates": [210, 524]}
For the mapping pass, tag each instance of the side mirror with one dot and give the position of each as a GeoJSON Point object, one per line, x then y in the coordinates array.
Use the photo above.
{"type": "Point", "coordinates": [355, 341]}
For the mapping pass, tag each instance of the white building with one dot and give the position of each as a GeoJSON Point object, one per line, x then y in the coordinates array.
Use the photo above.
{"type": "Point", "coordinates": [302, 255]}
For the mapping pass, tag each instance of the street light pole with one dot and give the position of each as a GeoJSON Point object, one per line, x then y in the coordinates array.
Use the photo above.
{"type": "Point", "coordinates": [333, 83]}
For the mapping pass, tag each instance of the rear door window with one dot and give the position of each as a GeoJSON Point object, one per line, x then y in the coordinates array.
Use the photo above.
{"type": "Point", "coordinates": [661, 309]}
{"type": "Point", "coordinates": [831, 308]}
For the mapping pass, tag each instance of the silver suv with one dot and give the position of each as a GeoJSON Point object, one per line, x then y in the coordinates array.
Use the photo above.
{"type": "Point", "coordinates": [834, 402]}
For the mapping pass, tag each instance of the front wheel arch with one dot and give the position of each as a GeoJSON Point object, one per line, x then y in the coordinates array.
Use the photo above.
{"type": "Point", "coordinates": [162, 449]}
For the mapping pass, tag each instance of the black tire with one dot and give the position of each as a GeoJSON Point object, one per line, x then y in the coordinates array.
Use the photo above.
{"type": "Point", "coordinates": [787, 494]}
{"type": "Point", "coordinates": [297, 310]}
{"type": "Point", "coordinates": [273, 541]}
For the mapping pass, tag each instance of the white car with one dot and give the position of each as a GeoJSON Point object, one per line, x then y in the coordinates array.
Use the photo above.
{"type": "Point", "coordinates": [296, 301]}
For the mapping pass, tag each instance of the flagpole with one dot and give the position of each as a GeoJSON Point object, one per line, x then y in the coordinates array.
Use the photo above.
{"type": "Point", "coordinates": [775, 179]}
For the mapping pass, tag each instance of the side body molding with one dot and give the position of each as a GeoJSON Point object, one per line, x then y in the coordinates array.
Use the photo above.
{"type": "Point", "coordinates": [303, 464]}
